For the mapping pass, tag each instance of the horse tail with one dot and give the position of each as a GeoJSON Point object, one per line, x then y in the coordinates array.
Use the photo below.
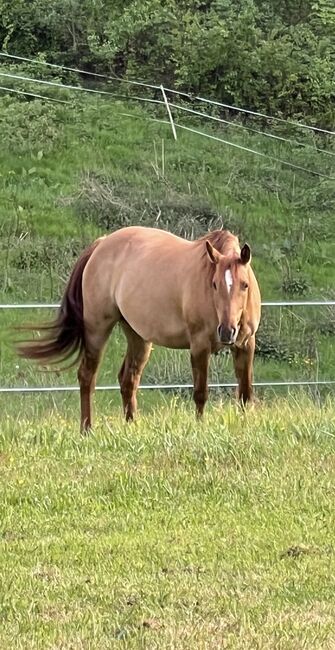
{"type": "Point", "coordinates": [65, 335]}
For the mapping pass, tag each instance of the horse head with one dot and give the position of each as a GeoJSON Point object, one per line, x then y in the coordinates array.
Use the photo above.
{"type": "Point", "coordinates": [231, 288]}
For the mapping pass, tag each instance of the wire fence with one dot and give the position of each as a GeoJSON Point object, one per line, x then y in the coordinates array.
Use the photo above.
{"type": "Point", "coordinates": [176, 387]}
{"type": "Point", "coordinates": [180, 93]}
{"type": "Point", "coordinates": [169, 106]}
{"type": "Point", "coordinates": [173, 124]}
{"type": "Point", "coordinates": [165, 101]}
{"type": "Point", "coordinates": [178, 107]}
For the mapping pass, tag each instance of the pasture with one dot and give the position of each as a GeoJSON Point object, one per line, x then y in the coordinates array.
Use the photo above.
{"type": "Point", "coordinates": [167, 533]}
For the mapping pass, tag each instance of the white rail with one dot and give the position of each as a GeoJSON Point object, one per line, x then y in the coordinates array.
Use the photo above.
{"type": "Point", "coordinates": [259, 384]}
{"type": "Point", "coordinates": [265, 303]}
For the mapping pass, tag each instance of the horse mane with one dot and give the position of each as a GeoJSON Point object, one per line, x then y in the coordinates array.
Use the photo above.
{"type": "Point", "coordinates": [222, 240]}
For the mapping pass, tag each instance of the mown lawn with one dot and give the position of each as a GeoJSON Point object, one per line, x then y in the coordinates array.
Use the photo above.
{"type": "Point", "coordinates": [167, 533]}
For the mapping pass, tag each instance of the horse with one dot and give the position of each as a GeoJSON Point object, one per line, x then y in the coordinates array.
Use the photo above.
{"type": "Point", "coordinates": [200, 295]}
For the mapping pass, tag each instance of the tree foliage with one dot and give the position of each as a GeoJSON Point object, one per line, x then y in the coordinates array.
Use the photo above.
{"type": "Point", "coordinates": [268, 55]}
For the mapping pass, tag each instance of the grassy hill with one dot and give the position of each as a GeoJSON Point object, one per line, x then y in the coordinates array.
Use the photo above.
{"type": "Point", "coordinates": [69, 173]}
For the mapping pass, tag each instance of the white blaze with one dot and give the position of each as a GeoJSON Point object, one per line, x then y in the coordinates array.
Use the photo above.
{"type": "Point", "coordinates": [229, 279]}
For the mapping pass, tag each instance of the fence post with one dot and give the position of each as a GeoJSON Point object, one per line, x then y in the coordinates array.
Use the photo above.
{"type": "Point", "coordinates": [169, 112]}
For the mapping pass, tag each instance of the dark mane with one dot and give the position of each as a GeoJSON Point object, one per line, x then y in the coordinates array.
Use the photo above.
{"type": "Point", "coordinates": [221, 240]}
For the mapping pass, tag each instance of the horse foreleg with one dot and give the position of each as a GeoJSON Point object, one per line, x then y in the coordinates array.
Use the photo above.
{"type": "Point", "coordinates": [200, 363]}
{"type": "Point", "coordinates": [243, 363]}
{"type": "Point", "coordinates": [131, 370]}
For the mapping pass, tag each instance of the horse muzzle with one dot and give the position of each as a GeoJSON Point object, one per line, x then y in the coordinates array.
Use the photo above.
{"type": "Point", "coordinates": [227, 335]}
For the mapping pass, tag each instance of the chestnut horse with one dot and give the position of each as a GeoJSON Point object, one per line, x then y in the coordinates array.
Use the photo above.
{"type": "Point", "coordinates": [201, 295]}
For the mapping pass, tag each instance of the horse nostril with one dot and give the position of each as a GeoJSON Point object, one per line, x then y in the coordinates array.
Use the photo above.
{"type": "Point", "coordinates": [226, 334]}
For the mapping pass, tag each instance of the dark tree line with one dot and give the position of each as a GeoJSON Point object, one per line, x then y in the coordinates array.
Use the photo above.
{"type": "Point", "coordinates": [270, 55]}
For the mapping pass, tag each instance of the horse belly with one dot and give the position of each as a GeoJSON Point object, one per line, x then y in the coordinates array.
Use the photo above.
{"type": "Point", "coordinates": [156, 320]}
{"type": "Point", "coordinates": [159, 330]}
{"type": "Point", "coordinates": [175, 341]}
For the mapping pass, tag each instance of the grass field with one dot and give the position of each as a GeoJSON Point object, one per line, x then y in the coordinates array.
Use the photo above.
{"type": "Point", "coordinates": [167, 533]}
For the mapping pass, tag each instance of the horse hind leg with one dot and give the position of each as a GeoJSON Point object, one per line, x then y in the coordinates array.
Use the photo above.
{"type": "Point", "coordinates": [95, 341]}
{"type": "Point", "coordinates": [137, 355]}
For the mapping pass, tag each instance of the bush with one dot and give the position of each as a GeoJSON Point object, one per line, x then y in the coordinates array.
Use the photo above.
{"type": "Point", "coordinates": [29, 125]}
{"type": "Point", "coordinates": [295, 286]}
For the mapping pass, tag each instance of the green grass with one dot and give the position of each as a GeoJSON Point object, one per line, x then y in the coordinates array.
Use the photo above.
{"type": "Point", "coordinates": [167, 533]}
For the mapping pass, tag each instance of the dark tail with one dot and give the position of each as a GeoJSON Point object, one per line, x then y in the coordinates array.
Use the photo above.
{"type": "Point", "coordinates": [65, 335]}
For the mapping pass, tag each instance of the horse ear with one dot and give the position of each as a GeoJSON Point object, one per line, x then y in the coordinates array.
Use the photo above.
{"type": "Point", "coordinates": [213, 254]}
{"type": "Point", "coordinates": [245, 254]}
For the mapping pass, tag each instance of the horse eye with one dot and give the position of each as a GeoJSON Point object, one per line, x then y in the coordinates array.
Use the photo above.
{"type": "Point", "coordinates": [214, 285]}
{"type": "Point", "coordinates": [244, 285]}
